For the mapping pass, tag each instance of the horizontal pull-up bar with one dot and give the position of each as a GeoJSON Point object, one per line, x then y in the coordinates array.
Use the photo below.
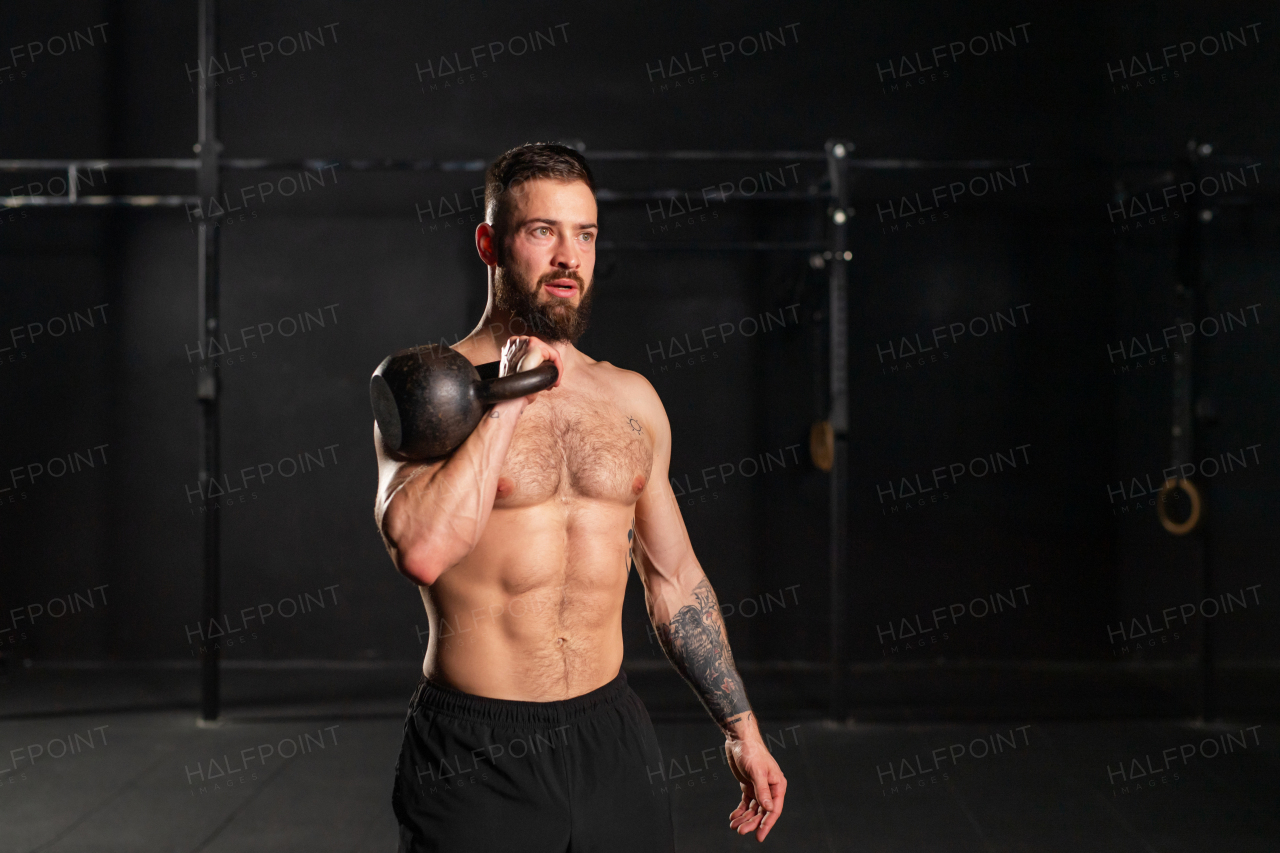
{"type": "Point", "coordinates": [99, 201]}
{"type": "Point", "coordinates": [185, 200]}
{"type": "Point", "coordinates": [604, 195]}
{"type": "Point", "coordinates": [259, 164]}
{"type": "Point", "coordinates": [479, 165]}
{"type": "Point", "coordinates": [897, 164]}
{"type": "Point", "coordinates": [755, 246]}
{"type": "Point", "coordinates": [368, 164]}
{"type": "Point", "coordinates": [676, 195]}
{"type": "Point", "coordinates": [706, 155]}
{"type": "Point", "coordinates": [100, 163]}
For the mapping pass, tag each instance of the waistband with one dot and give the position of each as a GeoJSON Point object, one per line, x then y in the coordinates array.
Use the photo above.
{"type": "Point", "coordinates": [440, 698]}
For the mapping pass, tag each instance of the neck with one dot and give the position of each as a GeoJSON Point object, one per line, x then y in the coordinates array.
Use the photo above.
{"type": "Point", "coordinates": [497, 325]}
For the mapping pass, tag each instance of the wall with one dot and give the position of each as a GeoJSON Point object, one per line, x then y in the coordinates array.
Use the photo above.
{"type": "Point", "coordinates": [361, 253]}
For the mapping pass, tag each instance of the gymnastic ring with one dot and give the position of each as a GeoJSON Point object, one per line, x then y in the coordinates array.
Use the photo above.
{"type": "Point", "coordinates": [1179, 528]}
{"type": "Point", "coordinates": [822, 445]}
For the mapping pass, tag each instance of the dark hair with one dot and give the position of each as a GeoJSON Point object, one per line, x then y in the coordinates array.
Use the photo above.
{"type": "Point", "coordinates": [527, 162]}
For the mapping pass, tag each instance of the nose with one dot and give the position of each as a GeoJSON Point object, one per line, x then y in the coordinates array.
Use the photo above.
{"type": "Point", "coordinates": [566, 255]}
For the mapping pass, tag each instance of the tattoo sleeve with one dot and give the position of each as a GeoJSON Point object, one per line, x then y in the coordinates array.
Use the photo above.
{"type": "Point", "coordinates": [696, 643]}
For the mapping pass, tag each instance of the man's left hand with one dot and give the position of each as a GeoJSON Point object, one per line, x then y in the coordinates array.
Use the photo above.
{"type": "Point", "coordinates": [763, 786]}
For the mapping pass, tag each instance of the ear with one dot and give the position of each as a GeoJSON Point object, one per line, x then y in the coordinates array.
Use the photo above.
{"type": "Point", "coordinates": [486, 244]}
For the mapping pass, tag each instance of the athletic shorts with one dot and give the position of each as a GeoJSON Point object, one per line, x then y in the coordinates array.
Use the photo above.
{"type": "Point", "coordinates": [478, 775]}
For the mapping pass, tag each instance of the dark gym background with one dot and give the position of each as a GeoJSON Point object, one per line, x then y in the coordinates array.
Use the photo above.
{"type": "Point", "coordinates": [374, 257]}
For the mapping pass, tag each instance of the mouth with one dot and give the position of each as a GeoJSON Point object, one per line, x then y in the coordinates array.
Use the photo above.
{"type": "Point", "coordinates": [564, 288]}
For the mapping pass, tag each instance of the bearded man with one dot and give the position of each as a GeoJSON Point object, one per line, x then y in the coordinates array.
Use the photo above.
{"type": "Point", "coordinates": [523, 734]}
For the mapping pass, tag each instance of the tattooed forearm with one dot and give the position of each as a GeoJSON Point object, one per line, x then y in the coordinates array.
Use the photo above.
{"type": "Point", "coordinates": [695, 642]}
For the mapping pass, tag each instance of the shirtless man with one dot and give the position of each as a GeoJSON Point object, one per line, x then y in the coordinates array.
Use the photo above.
{"type": "Point", "coordinates": [523, 734]}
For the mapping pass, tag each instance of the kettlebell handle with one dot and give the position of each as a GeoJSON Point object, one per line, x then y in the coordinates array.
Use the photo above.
{"type": "Point", "coordinates": [540, 378]}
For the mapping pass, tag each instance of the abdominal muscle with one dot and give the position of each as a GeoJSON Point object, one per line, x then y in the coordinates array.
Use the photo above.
{"type": "Point", "coordinates": [534, 613]}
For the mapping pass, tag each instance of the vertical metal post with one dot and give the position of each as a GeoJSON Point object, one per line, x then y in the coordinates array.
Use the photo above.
{"type": "Point", "coordinates": [207, 386]}
{"type": "Point", "coordinates": [1183, 438]}
{"type": "Point", "coordinates": [838, 166]}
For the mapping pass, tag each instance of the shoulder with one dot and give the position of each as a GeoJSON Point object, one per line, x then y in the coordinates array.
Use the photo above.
{"type": "Point", "coordinates": [627, 385]}
{"type": "Point", "coordinates": [634, 393]}
{"type": "Point", "coordinates": [472, 348]}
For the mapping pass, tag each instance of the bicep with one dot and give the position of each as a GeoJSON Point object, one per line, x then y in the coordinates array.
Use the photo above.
{"type": "Point", "coordinates": [661, 545]}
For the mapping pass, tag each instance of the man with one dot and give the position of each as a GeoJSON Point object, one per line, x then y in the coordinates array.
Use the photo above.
{"type": "Point", "coordinates": [523, 734]}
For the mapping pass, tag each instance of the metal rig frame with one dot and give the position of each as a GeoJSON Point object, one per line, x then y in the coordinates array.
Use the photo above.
{"type": "Point", "coordinates": [208, 166]}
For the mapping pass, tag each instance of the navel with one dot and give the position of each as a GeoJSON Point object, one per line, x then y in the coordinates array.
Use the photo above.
{"type": "Point", "coordinates": [637, 485]}
{"type": "Point", "coordinates": [505, 487]}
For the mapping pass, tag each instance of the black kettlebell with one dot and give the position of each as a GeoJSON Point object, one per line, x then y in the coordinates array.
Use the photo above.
{"type": "Point", "coordinates": [427, 400]}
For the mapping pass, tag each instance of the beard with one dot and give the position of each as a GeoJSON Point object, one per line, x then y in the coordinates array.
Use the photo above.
{"type": "Point", "coordinates": [557, 320]}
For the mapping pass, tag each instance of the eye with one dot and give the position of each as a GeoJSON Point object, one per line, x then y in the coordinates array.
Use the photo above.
{"type": "Point", "coordinates": [542, 231]}
{"type": "Point", "coordinates": [587, 236]}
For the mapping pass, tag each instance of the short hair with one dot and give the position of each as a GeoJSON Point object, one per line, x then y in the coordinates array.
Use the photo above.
{"type": "Point", "coordinates": [527, 162]}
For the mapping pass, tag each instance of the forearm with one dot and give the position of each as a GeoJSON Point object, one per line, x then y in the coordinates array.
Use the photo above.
{"type": "Point", "coordinates": [686, 616]}
{"type": "Point", "coordinates": [432, 521]}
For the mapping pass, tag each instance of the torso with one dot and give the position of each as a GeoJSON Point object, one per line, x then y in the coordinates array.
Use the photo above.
{"type": "Point", "coordinates": [534, 613]}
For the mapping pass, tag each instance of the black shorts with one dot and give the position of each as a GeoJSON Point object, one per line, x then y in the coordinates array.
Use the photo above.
{"type": "Point", "coordinates": [478, 775]}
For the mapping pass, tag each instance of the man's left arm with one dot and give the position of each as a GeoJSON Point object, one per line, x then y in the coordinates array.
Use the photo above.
{"type": "Point", "coordinates": [686, 616]}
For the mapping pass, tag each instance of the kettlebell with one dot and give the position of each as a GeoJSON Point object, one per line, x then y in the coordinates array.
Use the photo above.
{"type": "Point", "coordinates": [427, 400]}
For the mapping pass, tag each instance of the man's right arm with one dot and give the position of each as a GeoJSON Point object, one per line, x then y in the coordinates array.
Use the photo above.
{"type": "Point", "coordinates": [431, 515]}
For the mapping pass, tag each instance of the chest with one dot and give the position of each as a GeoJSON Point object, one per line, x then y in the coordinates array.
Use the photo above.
{"type": "Point", "coordinates": [575, 446]}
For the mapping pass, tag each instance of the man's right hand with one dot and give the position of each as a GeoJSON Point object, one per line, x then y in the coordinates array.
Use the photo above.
{"type": "Point", "coordinates": [525, 352]}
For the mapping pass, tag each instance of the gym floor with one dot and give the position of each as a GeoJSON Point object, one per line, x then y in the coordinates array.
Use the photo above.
{"type": "Point", "coordinates": [84, 775]}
